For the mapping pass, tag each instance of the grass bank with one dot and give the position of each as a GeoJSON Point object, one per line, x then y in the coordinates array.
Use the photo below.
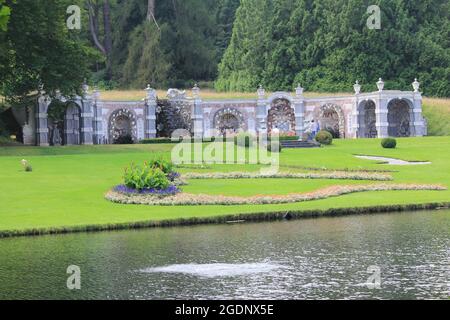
{"type": "Point", "coordinates": [66, 189]}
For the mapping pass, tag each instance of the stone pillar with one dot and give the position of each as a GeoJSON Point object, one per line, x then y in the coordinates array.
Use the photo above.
{"type": "Point", "coordinates": [151, 104]}
{"type": "Point", "coordinates": [42, 119]}
{"type": "Point", "coordinates": [197, 116]}
{"type": "Point", "coordinates": [381, 111]}
{"type": "Point", "coordinates": [299, 108]}
{"type": "Point", "coordinates": [87, 117]}
{"type": "Point", "coordinates": [261, 111]}
{"type": "Point", "coordinates": [356, 125]}
{"type": "Point", "coordinates": [98, 119]}
{"type": "Point", "coordinates": [419, 124]}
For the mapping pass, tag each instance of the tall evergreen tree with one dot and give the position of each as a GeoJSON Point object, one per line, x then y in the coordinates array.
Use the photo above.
{"type": "Point", "coordinates": [326, 45]}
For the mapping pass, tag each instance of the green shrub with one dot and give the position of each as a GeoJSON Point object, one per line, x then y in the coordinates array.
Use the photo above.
{"type": "Point", "coordinates": [245, 140]}
{"type": "Point", "coordinates": [324, 137]}
{"type": "Point", "coordinates": [164, 165]}
{"type": "Point", "coordinates": [274, 146]}
{"type": "Point", "coordinates": [127, 139]}
{"type": "Point", "coordinates": [389, 143]}
{"type": "Point", "coordinates": [145, 177]}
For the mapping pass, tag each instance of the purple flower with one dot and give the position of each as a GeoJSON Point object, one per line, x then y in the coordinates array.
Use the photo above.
{"type": "Point", "coordinates": [172, 176]}
{"type": "Point", "coordinates": [171, 190]}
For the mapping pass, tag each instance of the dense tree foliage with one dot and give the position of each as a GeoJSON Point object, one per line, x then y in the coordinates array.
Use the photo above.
{"type": "Point", "coordinates": [5, 12]}
{"type": "Point", "coordinates": [165, 43]}
{"type": "Point", "coordinates": [326, 45]}
{"type": "Point", "coordinates": [38, 49]}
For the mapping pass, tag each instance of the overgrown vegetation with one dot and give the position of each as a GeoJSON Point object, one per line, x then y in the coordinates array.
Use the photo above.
{"type": "Point", "coordinates": [326, 45]}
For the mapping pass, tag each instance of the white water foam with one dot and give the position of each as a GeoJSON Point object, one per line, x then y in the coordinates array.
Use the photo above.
{"type": "Point", "coordinates": [214, 270]}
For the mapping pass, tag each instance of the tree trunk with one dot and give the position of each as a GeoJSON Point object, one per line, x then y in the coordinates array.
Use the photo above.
{"type": "Point", "coordinates": [108, 37]}
{"type": "Point", "coordinates": [93, 26]}
{"type": "Point", "coordinates": [151, 10]}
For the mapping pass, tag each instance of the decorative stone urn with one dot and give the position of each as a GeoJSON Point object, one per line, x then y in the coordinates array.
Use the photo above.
{"type": "Point", "coordinates": [261, 92]}
{"type": "Point", "coordinates": [416, 85]}
{"type": "Point", "coordinates": [299, 91]}
{"type": "Point", "coordinates": [357, 87]}
{"type": "Point", "coordinates": [196, 91]}
{"type": "Point", "coordinates": [380, 85]}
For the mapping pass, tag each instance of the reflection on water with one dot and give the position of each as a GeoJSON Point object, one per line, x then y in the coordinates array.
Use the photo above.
{"type": "Point", "coordinates": [326, 258]}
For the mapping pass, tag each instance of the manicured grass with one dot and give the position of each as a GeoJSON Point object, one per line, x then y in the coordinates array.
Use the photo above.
{"type": "Point", "coordinates": [67, 185]}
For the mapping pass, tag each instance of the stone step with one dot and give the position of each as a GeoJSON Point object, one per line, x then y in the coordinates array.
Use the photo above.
{"type": "Point", "coordinates": [299, 144]}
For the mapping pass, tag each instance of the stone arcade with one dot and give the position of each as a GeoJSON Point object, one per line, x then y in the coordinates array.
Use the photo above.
{"type": "Point", "coordinates": [89, 120]}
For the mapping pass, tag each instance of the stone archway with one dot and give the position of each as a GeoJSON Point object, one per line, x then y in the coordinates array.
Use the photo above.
{"type": "Point", "coordinates": [367, 120]}
{"type": "Point", "coordinates": [64, 123]}
{"type": "Point", "coordinates": [281, 116]}
{"type": "Point", "coordinates": [122, 123]}
{"type": "Point", "coordinates": [228, 121]}
{"type": "Point", "coordinates": [72, 124]}
{"type": "Point", "coordinates": [400, 118]}
{"type": "Point", "coordinates": [331, 118]}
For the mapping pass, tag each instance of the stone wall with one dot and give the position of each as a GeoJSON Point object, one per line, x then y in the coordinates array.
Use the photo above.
{"type": "Point", "coordinates": [391, 112]}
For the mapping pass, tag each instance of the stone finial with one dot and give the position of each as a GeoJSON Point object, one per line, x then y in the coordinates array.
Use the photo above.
{"type": "Point", "coordinates": [58, 94]}
{"type": "Point", "coordinates": [196, 91]}
{"type": "Point", "coordinates": [261, 92]}
{"type": "Point", "coordinates": [41, 88]}
{"type": "Point", "coordinates": [357, 87]}
{"type": "Point", "coordinates": [299, 90]}
{"type": "Point", "coordinates": [380, 85]}
{"type": "Point", "coordinates": [85, 87]}
{"type": "Point", "coordinates": [416, 85]}
{"type": "Point", "coordinates": [151, 93]}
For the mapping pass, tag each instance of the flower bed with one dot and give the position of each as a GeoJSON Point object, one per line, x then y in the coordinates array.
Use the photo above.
{"type": "Point", "coordinates": [202, 199]}
{"type": "Point", "coordinates": [339, 175]}
{"type": "Point", "coordinates": [169, 191]}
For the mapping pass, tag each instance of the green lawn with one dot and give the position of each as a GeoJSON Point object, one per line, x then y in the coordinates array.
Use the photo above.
{"type": "Point", "coordinates": [67, 185]}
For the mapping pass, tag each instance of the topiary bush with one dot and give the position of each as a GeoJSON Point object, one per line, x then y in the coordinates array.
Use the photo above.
{"type": "Point", "coordinates": [324, 137]}
{"type": "Point", "coordinates": [389, 143]}
{"type": "Point", "coordinates": [274, 146]}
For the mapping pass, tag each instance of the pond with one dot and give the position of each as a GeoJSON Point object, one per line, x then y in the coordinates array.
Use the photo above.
{"type": "Point", "coordinates": [325, 258]}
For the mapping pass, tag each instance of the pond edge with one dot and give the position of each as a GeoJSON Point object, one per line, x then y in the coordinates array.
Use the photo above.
{"type": "Point", "coordinates": [225, 219]}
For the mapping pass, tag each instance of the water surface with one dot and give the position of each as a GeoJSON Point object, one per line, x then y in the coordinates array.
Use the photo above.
{"type": "Point", "coordinates": [325, 258]}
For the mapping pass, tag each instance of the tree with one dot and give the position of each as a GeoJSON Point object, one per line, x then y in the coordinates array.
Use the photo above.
{"type": "Point", "coordinates": [5, 11]}
{"type": "Point", "coordinates": [244, 61]}
{"type": "Point", "coordinates": [325, 45]}
{"type": "Point", "coordinates": [40, 50]}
